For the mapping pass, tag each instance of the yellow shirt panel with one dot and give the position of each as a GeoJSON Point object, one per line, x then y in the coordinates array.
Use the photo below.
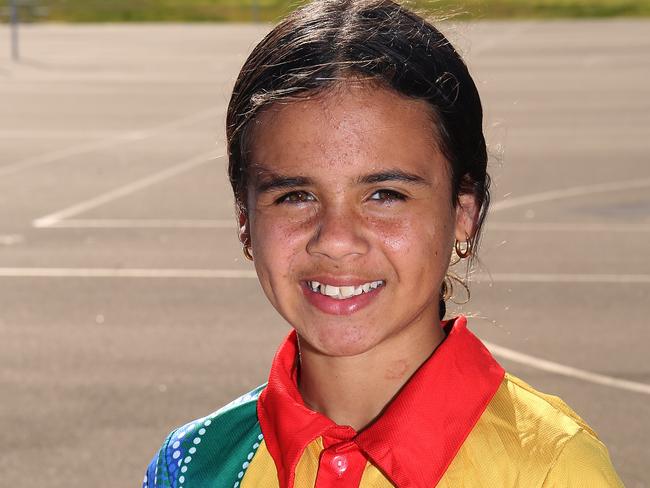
{"type": "Point", "coordinates": [523, 439]}
{"type": "Point", "coordinates": [307, 467]}
{"type": "Point", "coordinates": [583, 463]}
{"type": "Point", "coordinates": [261, 472]}
{"type": "Point", "coordinates": [527, 438]}
{"type": "Point", "coordinates": [373, 478]}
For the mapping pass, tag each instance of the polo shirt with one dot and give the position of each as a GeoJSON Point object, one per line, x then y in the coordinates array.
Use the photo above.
{"type": "Point", "coordinates": [460, 421]}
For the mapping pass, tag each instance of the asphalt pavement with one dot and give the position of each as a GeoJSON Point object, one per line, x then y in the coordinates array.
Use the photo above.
{"type": "Point", "coordinates": [125, 301]}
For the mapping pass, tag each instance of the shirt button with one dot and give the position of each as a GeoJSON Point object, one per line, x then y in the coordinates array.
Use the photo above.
{"type": "Point", "coordinates": [339, 464]}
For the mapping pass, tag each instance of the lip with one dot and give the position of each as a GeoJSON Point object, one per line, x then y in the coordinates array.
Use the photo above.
{"type": "Point", "coordinates": [332, 306]}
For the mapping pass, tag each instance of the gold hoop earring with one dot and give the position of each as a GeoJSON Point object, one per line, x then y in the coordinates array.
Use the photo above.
{"type": "Point", "coordinates": [464, 248]}
{"type": "Point", "coordinates": [447, 289]}
{"type": "Point", "coordinates": [247, 252]}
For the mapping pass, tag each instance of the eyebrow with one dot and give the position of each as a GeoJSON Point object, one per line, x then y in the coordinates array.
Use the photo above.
{"type": "Point", "coordinates": [392, 175]}
{"type": "Point", "coordinates": [271, 181]}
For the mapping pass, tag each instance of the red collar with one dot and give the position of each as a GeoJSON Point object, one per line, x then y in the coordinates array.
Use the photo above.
{"type": "Point", "coordinates": [415, 439]}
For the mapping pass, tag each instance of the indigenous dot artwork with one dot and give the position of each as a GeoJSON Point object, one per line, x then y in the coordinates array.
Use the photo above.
{"type": "Point", "coordinates": [180, 462]}
{"type": "Point", "coordinates": [247, 463]}
{"type": "Point", "coordinates": [179, 455]}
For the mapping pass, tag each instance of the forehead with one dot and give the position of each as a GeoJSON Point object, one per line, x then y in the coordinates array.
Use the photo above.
{"type": "Point", "coordinates": [348, 128]}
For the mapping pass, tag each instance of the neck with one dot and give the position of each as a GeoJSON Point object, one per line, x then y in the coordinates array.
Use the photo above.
{"type": "Point", "coordinates": [354, 390]}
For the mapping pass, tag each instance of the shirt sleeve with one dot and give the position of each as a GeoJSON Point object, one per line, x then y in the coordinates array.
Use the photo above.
{"type": "Point", "coordinates": [150, 473]}
{"type": "Point", "coordinates": [157, 474]}
{"type": "Point", "coordinates": [583, 463]}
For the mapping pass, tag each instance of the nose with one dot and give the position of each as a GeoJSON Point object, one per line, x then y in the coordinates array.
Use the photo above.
{"type": "Point", "coordinates": [339, 233]}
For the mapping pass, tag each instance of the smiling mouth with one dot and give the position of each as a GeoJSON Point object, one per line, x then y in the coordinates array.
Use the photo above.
{"type": "Point", "coordinates": [343, 292]}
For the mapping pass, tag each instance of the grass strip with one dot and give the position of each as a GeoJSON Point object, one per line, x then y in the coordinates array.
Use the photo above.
{"type": "Point", "coordinates": [272, 10]}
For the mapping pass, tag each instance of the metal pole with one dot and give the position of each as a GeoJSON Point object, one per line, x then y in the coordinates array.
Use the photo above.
{"type": "Point", "coordinates": [13, 12]}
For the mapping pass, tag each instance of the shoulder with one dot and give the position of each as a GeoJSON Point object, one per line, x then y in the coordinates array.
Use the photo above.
{"type": "Point", "coordinates": [214, 447]}
{"type": "Point", "coordinates": [527, 434]}
{"type": "Point", "coordinates": [577, 457]}
{"type": "Point", "coordinates": [552, 415]}
{"type": "Point", "coordinates": [583, 462]}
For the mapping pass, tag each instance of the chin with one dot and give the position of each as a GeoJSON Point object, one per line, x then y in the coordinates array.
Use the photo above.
{"type": "Point", "coordinates": [339, 340]}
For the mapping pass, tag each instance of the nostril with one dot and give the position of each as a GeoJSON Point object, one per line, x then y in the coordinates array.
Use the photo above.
{"type": "Point", "coordinates": [337, 237]}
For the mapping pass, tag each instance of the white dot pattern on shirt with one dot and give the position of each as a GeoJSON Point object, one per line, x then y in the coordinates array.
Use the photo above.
{"type": "Point", "coordinates": [247, 463]}
{"type": "Point", "coordinates": [183, 463]}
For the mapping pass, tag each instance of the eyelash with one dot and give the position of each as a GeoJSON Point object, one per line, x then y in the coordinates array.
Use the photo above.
{"type": "Point", "coordinates": [299, 196]}
{"type": "Point", "coordinates": [391, 196]}
{"type": "Point", "coordinates": [290, 197]}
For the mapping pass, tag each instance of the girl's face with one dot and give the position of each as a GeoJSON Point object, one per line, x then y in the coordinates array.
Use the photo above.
{"type": "Point", "coordinates": [350, 217]}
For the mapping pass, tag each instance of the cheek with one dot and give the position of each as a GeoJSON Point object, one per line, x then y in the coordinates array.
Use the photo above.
{"type": "Point", "coordinates": [276, 241]}
{"type": "Point", "coordinates": [417, 236]}
{"type": "Point", "coordinates": [395, 235]}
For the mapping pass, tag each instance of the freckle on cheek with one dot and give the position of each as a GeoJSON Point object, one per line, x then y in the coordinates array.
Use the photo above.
{"type": "Point", "coordinates": [392, 233]}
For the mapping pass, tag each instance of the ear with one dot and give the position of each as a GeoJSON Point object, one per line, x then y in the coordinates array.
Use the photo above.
{"type": "Point", "coordinates": [244, 228]}
{"type": "Point", "coordinates": [467, 212]}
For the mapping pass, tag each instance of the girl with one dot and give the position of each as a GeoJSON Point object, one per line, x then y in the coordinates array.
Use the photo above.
{"type": "Point", "coordinates": [358, 164]}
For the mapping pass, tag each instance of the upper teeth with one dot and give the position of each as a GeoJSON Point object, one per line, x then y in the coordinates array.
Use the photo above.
{"type": "Point", "coordinates": [342, 292]}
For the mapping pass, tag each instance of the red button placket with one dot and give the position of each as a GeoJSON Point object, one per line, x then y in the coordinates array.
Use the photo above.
{"type": "Point", "coordinates": [341, 464]}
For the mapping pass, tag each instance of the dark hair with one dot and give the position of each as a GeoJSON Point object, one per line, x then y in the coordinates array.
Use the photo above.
{"type": "Point", "coordinates": [327, 41]}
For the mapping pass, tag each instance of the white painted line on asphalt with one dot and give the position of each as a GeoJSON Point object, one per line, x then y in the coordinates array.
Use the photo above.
{"type": "Point", "coordinates": [234, 273]}
{"type": "Point", "coordinates": [11, 239]}
{"type": "Point", "coordinates": [125, 273]}
{"type": "Point", "coordinates": [54, 218]}
{"type": "Point", "coordinates": [230, 223]}
{"type": "Point", "coordinates": [561, 369]}
{"type": "Point", "coordinates": [568, 227]}
{"type": "Point", "coordinates": [64, 153]}
{"type": "Point", "coordinates": [498, 351]}
{"type": "Point", "coordinates": [574, 191]}
{"type": "Point", "coordinates": [151, 78]}
{"type": "Point", "coordinates": [144, 224]}
{"type": "Point", "coordinates": [58, 134]}
{"type": "Point", "coordinates": [92, 146]}
{"type": "Point", "coordinates": [560, 278]}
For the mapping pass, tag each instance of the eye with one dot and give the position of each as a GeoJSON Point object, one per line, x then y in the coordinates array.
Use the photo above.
{"type": "Point", "coordinates": [387, 196]}
{"type": "Point", "coordinates": [295, 197]}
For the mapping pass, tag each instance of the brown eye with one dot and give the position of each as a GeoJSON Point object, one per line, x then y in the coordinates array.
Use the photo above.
{"type": "Point", "coordinates": [296, 197]}
{"type": "Point", "coordinates": [387, 196]}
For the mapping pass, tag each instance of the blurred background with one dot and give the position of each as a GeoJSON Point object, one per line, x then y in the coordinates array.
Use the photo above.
{"type": "Point", "coordinates": [272, 10]}
{"type": "Point", "coordinates": [126, 307]}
